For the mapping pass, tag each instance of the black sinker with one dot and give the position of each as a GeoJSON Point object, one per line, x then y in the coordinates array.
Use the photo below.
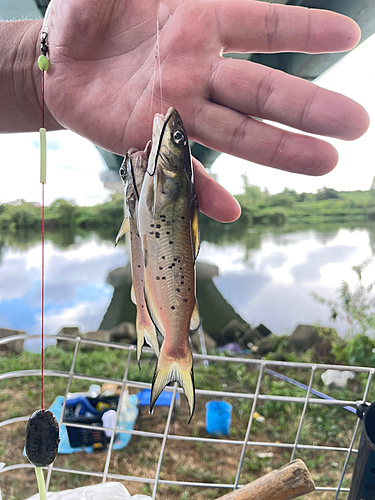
{"type": "Point", "coordinates": [42, 438]}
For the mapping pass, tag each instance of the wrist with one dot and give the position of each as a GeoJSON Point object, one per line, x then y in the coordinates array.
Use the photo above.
{"type": "Point", "coordinates": [21, 79]}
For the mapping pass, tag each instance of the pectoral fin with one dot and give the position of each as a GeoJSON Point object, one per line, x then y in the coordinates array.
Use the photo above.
{"type": "Point", "coordinates": [123, 229]}
{"type": "Point", "coordinates": [195, 230]}
{"type": "Point", "coordinates": [195, 320]}
{"type": "Point", "coordinates": [132, 295]}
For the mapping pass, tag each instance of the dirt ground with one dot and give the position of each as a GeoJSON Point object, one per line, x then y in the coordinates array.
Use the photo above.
{"type": "Point", "coordinates": [182, 461]}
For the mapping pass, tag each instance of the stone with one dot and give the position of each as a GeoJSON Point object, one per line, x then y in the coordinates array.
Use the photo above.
{"type": "Point", "coordinates": [15, 346]}
{"type": "Point", "coordinates": [233, 331]}
{"type": "Point", "coordinates": [319, 339]}
{"type": "Point", "coordinates": [71, 331]}
{"type": "Point", "coordinates": [304, 337]}
{"type": "Point", "coordinates": [263, 330]}
{"type": "Point", "coordinates": [102, 335]}
{"type": "Point", "coordinates": [123, 331]}
{"type": "Point", "coordinates": [267, 344]}
{"type": "Point", "coordinates": [210, 342]}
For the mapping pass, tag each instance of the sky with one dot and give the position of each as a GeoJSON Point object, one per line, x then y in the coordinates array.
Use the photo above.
{"type": "Point", "coordinates": [353, 76]}
{"type": "Point", "coordinates": [74, 164]}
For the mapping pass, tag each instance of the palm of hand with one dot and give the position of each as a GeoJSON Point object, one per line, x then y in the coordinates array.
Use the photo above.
{"type": "Point", "coordinates": [103, 70]}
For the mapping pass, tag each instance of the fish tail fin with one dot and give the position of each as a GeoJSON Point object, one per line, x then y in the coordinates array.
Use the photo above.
{"type": "Point", "coordinates": [174, 370]}
{"type": "Point", "coordinates": [148, 333]}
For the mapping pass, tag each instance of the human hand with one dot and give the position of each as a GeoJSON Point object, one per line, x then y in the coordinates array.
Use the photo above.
{"type": "Point", "coordinates": [103, 82]}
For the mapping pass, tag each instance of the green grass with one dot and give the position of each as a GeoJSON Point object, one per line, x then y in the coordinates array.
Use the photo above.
{"type": "Point", "coordinates": [195, 461]}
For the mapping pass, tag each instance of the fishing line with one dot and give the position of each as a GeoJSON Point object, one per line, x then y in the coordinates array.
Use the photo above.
{"type": "Point", "coordinates": [158, 54]}
{"type": "Point", "coordinates": [157, 64]}
{"type": "Point", "coordinates": [42, 430]}
{"type": "Point", "coordinates": [43, 65]}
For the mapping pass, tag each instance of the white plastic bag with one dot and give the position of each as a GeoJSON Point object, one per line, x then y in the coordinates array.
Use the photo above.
{"type": "Point", "coordinates": [110, 491]}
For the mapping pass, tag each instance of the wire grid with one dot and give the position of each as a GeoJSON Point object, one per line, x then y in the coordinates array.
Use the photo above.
{"type": "Point", "coordinates": [264, 366]}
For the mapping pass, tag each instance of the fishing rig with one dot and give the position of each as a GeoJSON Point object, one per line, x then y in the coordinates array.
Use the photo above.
{"type": "Point", "coordinates": [339, 458]}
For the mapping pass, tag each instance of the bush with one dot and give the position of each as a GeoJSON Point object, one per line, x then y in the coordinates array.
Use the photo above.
{"type": "Point", "coordinates": [326, 194]}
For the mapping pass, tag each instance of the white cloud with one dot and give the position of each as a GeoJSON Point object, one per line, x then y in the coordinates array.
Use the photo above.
{"type": "Point", "coordinates": [73, 167]}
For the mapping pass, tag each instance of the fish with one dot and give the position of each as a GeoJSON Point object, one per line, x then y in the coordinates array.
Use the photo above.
{"type": "Point", "coordinates": [168, 217]}
{"type": "Point", "coordinates": [132, 172]}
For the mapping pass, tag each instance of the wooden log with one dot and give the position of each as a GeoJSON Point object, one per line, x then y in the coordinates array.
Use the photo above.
{"type": "Point", "coordinates": [290, 481]}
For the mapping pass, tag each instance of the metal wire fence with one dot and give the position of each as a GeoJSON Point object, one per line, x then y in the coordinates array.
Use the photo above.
{"type": "Point", "coordinates": [255, 398]}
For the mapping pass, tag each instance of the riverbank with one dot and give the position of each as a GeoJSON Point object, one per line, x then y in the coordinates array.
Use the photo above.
{"type": "Point", "coordinates": [258, 208]}
{"type": "Point", "coordinates": [326, 205]}
{"type": "Point", "coordinates": [276, 420]}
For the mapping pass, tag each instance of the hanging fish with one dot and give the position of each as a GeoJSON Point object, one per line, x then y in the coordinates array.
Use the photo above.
{"type": "Point", "coordinates": [168, 217]}
{"type": "Point", "coordinates": [132, 172]}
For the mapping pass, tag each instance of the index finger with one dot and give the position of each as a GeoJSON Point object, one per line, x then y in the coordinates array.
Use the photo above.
{"type": "Point", "coordinates": [247, 26]}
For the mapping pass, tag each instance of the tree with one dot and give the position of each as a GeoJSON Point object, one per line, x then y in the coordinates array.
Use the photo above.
{"type": "Point", "coordinates": [355, 305]}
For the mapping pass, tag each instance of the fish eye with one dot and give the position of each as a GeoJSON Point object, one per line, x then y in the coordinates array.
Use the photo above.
{"type": "Point", "coordinates": [122, 171]}
{"type": "Point", "coordinates": [179, 137]}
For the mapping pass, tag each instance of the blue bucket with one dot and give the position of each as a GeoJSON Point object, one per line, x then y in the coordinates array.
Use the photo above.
{"type": "Point", "coordinates": [218, 418]}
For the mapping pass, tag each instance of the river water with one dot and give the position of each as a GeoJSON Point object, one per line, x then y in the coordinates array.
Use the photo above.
{"type": "Point", "coordinates": [266, 275]}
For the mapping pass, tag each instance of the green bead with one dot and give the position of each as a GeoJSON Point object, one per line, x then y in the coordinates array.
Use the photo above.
{"type": "Point", "coordinates": [43, 63]}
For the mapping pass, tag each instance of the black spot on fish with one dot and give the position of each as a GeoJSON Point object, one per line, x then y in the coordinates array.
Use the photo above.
{"type": "Point", "coordinates": [169, 222]}
{"type": "Point", "coordinates": [158, 226]}
{"type": "Point", "coordinates": [163, 257]}
{"type": "Point", "coordinates": [178, 290]}
{"type": "Point", "coordinates": [162, 216]}
{"type": "Point", "coordinates": [171, 242]}
{"type": "Point", "coordinates": [182, 277]}
{"type": "Point", "coordinates": [169, 267]}
{"type": "Point", "coordinates": [185, 300]}
{"type": "Point", "coordinates": [151, 232]}
{"type": "Point", "coordinates": [189, 289]}
{"type": "Point", "coordinates": [180, 268]}
{"type": "Point", "coordinates": [157, 235]}
{"type": "Point", "coordinates": [179, 260]}
{"type": "Point", "coordinates": [163, 278]}
{"type": "Point", "coordinates": [173, 308]}
{"type": "Point", "coordinates": [139, 265]}
{"type": "Point", "coordinates": [142, 307]}
{"type": "Point", "coordinates": [175, 259]}
{"type": "Point", "coordinates": [158, 277]}
{"type": "Point", "coordinates": [160, 268]}
{"type": "Point", "coordinates": [167, 232]}
{"type": "Point", "coordinates": [182, 282]}
{"type": "Point", "coordinates": [173, 220]}
{"type": "Point", "coordinates": [182, 217]}
{"type": "Point", "coordinates": [152, 225]}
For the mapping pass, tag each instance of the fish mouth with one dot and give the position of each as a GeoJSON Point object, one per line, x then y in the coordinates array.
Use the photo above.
{"type": "Point", "coordinates": [159, 125]}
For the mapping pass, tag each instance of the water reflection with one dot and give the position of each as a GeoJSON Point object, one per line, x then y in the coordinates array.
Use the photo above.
{"type": "Point", "coordinates": [263, 276]}
{"type": "Point", "coordinates": [76, 290]}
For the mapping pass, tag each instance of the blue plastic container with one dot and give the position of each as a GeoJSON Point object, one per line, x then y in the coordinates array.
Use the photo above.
{"type": "Point", "coordinates": [218, 418]}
